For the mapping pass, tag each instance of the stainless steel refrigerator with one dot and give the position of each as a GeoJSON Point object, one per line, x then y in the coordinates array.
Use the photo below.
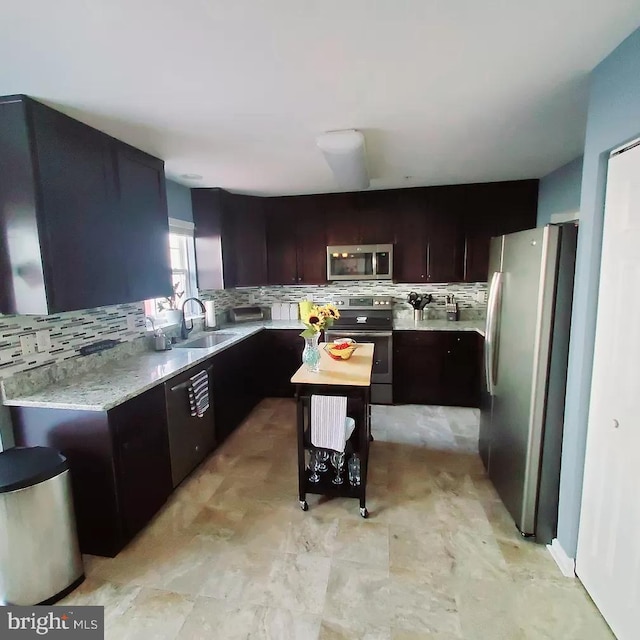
{"type": "Point", "coordinates": [525, 365]}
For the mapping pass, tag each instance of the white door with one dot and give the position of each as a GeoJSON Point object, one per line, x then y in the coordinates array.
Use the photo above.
{"type": "Point", "coordinates": [608, 557]}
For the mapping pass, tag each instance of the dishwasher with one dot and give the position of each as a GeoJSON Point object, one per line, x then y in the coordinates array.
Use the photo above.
{"type": "Point", "coordinates": [191, 438]}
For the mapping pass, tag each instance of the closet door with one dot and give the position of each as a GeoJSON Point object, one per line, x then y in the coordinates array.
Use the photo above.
{"type": "Point", "coordinates": [608, 557]}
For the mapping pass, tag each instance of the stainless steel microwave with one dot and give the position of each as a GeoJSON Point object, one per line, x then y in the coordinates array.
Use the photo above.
{"type": "Point", "coordinates": [360, 262]}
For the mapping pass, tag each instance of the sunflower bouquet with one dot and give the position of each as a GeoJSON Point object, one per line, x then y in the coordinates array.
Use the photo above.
{"type": "Point", "coordinates": [318, 319]}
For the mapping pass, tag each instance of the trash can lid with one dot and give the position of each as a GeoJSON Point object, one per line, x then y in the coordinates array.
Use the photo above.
{"type": "Point", "coordinates": [22, 467]}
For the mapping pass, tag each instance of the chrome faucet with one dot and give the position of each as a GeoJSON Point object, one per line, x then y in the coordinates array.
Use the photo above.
{"type": "Point", "coordinates": [184, 329]}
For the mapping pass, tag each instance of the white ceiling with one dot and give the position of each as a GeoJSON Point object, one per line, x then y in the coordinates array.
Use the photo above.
{"type": "Point", "coordinates": [446, 91]}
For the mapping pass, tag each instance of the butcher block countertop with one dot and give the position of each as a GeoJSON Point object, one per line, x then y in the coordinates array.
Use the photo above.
{"type": "Point", "coordinates": [354, 372]}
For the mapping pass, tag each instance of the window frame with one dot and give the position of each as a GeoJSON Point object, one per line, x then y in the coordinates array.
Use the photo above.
{"type": "Point", "coordinates": [185, 230]}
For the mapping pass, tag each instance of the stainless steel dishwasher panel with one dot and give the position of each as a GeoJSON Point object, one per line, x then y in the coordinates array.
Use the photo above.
{"type": "Point", "coordinates": [190, 438]}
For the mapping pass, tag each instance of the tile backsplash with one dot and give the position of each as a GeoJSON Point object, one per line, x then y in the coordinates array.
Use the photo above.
{"type": "Point", "coordinates": [69, 332]}
{"type": "Point", "coordinates": [471, 297]}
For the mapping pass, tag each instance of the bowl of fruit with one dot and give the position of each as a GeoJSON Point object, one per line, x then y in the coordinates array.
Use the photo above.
{"type": "Point", "coordinates": [341, 349]}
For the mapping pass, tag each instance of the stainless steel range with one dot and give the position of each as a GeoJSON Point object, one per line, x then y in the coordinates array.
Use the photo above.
{"type": "Point", "coordinates": [370, 319]}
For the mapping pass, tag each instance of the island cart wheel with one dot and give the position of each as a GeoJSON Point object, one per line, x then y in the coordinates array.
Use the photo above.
{"type": "Point", "coordinates": [363, 512]}
{"type": "Point", "coordinates": [305, 507]}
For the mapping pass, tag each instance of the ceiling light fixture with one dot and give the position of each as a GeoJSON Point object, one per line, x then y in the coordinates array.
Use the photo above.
{"type": "Point", "coordinates": [345, 153]}
{"type": "Point", "coordinates": [191, 176]}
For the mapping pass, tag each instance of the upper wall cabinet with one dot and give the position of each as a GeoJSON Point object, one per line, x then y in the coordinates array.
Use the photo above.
{"type": "Point", "coordinates": [296, 240]}
{"type": "Point", "coordinates": [83, 216]}
{"type": "Point", "coordinates": [493, 209]}
{"type": "Point", "coordinates": [429, 236]}
{"type": "Point", "coordinates": [230, 239]}
{"type": "Point", "coordinates": [441, 234]}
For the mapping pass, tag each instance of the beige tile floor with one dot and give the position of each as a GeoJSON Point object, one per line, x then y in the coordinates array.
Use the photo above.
{"type": "Point", "coordinates": [232, 555]}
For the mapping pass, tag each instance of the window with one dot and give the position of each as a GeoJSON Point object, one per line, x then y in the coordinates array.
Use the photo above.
{"type": "Point", "coordinates": [183, 268]}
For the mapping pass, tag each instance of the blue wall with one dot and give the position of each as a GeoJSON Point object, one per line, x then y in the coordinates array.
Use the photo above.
{"type": "Point", "coordinates": [559, 192]}
{"type": "Point", "coordinates": [613, 119]}
{"type": "Point", "coordinates": [179, 201]}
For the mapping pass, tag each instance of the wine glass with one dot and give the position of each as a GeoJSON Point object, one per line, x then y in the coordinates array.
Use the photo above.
{"type": "Point", "coordinates": [323, 456]}
{"type": "Point", "coordinates": [314, 465]}
{"type": "Point", "coordinates": [337, 460]}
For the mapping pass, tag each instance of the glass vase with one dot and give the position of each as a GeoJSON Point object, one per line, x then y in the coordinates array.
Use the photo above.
{"type": "Point", "coordinates": [311, 353]}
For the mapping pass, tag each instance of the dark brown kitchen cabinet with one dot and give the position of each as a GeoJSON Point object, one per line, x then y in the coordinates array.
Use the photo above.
{"type": "Point", "coordinates": [445, 235]}
{"type": "Point", "coordinates": [142, 191]}
{"type": "Point", "coordinates": [230, 239]}
{"type": "Point", "coordinates": [119, 463]}
{"type": "Point", "coordinates": [436, 368]}
{"type": "Point", "coordinates": [365, 217]}
{"type": "Point", "coordinates": [491, 210]}
{"type": "Point", "coordinates": [283, 356]}
{"type": "Point", "coordinates": [342, 218]}
{"type": "Point", "coordinates": [83, 216]}
{"type": "Point", "coordinates": [429, 236]}
{"type": "Point", "coordinates": [296, 243]}
{"type": "Point", "coordinates": [238, 376]}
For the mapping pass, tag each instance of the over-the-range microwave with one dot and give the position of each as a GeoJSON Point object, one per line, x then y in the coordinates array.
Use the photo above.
{"type": "Point", "coordinates": [360, 262]}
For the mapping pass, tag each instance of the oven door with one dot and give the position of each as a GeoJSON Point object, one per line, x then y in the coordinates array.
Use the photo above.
{"type": "Point", "coordinates": [382, 350]}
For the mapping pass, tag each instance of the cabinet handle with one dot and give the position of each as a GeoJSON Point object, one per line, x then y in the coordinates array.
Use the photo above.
{"type": "Point", "coordinates": [428, 261]}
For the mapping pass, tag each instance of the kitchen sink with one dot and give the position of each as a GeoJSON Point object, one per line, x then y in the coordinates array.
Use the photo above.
{"type": "Point", "coordinates": [207, 341]}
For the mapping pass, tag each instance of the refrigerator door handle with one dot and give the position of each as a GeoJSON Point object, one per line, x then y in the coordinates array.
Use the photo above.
{"type": "Point", "coordinates": [491, 331]}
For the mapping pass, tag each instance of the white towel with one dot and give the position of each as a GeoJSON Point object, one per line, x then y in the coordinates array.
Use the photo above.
{"type": "Point", "coordinates": [330, 427]}
{"type": "Point", "coordinates": [198, 392]}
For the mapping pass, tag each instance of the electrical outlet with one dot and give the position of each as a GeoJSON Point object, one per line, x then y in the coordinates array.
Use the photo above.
{"type": "Point", "coordinates": [131, 323]}
{"type": "Point", "coordinates": [28, 344]}
{"type": "Point", "coordinates": [481, 297]}
{"type": "Point", "coordinates": [43, 340]}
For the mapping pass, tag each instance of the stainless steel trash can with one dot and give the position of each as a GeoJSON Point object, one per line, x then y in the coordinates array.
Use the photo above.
{"type": "Point", "coordinates": [40, 561]}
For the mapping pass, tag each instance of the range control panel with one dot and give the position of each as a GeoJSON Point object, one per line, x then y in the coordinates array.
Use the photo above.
{"type": "Point", "coordinates": [369, 302]}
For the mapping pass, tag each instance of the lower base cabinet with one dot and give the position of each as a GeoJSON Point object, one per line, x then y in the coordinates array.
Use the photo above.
{"type": "Point", "coordinates": [238, 375]}
{"type": "Point", "coordinates": [437, 368]}
{"type": "Point", "coordinates": [119, 463]}
{"type": "Point", "coordinates": [283, 356]}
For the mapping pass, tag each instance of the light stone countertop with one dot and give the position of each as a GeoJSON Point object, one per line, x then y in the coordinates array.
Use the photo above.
{"type": "Point", "coordinates": [120, 380]}
{"type": "Point", "coordinates": [440, 325]}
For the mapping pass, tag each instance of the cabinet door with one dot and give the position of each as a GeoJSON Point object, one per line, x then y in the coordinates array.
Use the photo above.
{"type": "Point", "coordinates": [445, 235]}
{"type": "Point", "coordinates": [410, 254]}
{"type": "Point", "coordinates": [244, 250]}
{"type": "Point", "coordinates": [311, 240]}
{"type": "Point", "coordinates": [492, 210]}
{"type": "Point", "coordinates": [143, 467]}
{"type": "Point", "coordinates": [282, 254]}
{"type": "Point", "coordinates": [418, 367]}
{"type": "Point", "coordinates": [283, 357]}
{"type": "Point", "coordinates": [143, 207]}
{"type": "Point", "coordinates": [342, 218]}
{"type": "Point", "coordinates": [240, 375]}
{"type": "Point", "coordinates": [82, 240]}
{"type": "Point", "coordinates": [207, 207]}
{"type": "Point", "coordinates": [376, 213]}
{"type": "Point", "coordinates": [461, 372]}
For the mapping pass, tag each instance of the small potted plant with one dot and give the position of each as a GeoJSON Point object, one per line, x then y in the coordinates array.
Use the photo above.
{"type": "Point", "coordinates": [168, 306]}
